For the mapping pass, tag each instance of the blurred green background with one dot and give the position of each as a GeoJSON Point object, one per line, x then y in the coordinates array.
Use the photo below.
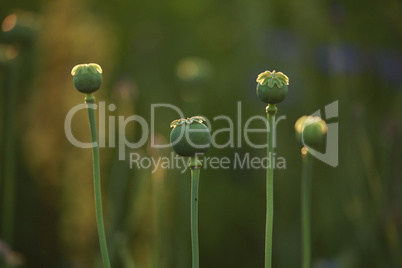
{"type": "Point", "coordinates": [204, 57]}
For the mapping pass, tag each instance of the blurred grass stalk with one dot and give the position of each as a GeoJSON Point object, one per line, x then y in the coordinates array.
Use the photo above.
{"type": "Point", "coordinates": [158, 208]}
{"type": "Point", "coordinates": [125, 187]}
{"type": "Point", "coordinates": [118, 188]}
{"type": "Point", "coordinates": [306, 207]}
{"type": "Point", "coordinates": [18, 30]}
{"type": "Point", "coordinates": [10, 131]}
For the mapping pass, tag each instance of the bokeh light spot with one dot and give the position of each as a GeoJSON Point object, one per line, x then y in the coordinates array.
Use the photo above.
{"type": "Point", "coordinates": [187, 70]}
{"type": "Point", "coordinates": [11, 52]}
{"type": "Point", "coordinates": [9, 23]}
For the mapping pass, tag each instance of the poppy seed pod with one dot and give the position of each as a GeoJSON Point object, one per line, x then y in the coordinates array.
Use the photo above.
{"type": "Point", "coordinates": [272, 86]}
{"type": "Point", "coordinates": [311, 131]}
{"type": "Point", "coordinates": [190, 136]}
{"type": "Point", "coordinates": [87, 77]}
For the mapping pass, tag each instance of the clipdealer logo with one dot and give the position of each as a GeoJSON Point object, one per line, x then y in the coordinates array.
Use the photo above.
{"type": "Point", "coordinates": [112, 134]}
{"type": "Point", "coordinates": [331, 155]}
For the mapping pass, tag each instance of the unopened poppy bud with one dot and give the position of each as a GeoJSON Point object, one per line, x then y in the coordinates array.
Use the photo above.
{"type": "Point", "coordinates": [190, 136]}
{"type": "Point", "coordinates": [311, 131]}
{"type": "Point", "coordinates": [87, 77]}
{"type": "Point", "coordinates": [272, 86]}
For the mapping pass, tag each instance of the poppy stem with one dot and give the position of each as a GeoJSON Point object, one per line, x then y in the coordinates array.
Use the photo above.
{"type": "Point", "coordinates": [89, 100]}
{"type": "Point", "coordinates": [271, 112]}
{"type": "Point", "coordinates": [195, 166]}
{"type": "Point", "coordinates": [306, 207]}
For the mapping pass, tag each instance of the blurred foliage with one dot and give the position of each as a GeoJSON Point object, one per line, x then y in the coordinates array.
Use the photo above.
{"type": "Point", "coordinates": [204, 57]}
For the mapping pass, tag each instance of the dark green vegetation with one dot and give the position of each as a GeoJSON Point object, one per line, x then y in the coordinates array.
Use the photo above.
{"type": "Point", "coordinates": [348, 51]}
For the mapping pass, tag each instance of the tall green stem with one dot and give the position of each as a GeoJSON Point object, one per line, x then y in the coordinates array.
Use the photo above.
{"type": "Point", "coordinates": [306, 208]}
{"type": "Point", "coordinates": [10, 129]}
{"type": "Point", "coordinates": [271, 111]}
{"type": "Point", "coordinates": [89, 100]}
{"type": "Point", "coordinates": [195, 166]}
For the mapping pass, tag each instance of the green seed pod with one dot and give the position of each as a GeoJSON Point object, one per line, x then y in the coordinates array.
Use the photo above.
{"type": "Point", "coordinates": [272, 86]}
{"type": "Point", "coordinates": [190, 136]}
{"type": "Point", "coordinates": [311, 131]}
{"type": "Point", "coordinates": [87, 77]}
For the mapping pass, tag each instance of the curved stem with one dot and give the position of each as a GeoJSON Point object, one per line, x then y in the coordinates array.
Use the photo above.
{"type": "Point", "coordinates": [306, 208]}
{"type": "Point", "coordinates": [89, 100]}
{"type": "Point", "coordinates": [195, 166]}
{"type": "Point", "coordinates": [271, 111]}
